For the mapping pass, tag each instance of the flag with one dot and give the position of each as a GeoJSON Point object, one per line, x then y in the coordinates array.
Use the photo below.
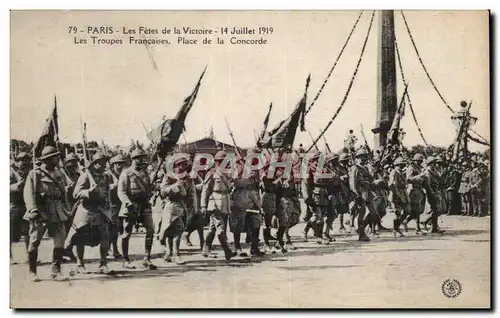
{"type": "Point", "coordinates": [169, 131]}
{"type": "Point", "coordinates": [283, 135]}
{"type": "Point", "coordinates": [50, 134]}
{"type": "Point", "coordinates": [266, 123]}
{"type": "Point", "coordinates": [393, 134]}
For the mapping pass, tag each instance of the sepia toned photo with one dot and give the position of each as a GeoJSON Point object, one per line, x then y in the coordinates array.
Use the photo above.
{"type": "Point", "coordinates": [250, 159]}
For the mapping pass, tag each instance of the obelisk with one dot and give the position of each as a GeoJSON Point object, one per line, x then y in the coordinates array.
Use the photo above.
{"type": "Point", "coordinates": [386, 78]}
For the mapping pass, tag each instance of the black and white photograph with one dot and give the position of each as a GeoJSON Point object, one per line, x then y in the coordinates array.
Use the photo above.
{"type": "Point", "coordinates": [250, 159]}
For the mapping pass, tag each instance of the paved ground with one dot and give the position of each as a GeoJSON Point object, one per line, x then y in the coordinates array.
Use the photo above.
{"type": "Point", "coordinates": [387, 272]}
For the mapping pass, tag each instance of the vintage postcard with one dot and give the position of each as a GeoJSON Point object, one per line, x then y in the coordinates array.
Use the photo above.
{"type": "Point", "coordinates": [250, 159]}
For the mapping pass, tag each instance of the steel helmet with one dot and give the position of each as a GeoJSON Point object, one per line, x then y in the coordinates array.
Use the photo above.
{"type": "Point", "coordinates": [418, 157]}
{"type": "Point", "coordinates": [49, 152]}
{"type": "Point", "coordinates": [361, 152]}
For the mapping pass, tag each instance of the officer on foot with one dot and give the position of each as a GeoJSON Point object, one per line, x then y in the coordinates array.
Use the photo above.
{"type": "Point", "coordinates": [215, 200]}
{"type": "Point", "coordinates": [133, 192]}
{"type": "Point", "coordinates": [361, 182]}
{"type": "Point", "coordinates": [117, 164]}
{"type": "Point", "coordinates": [46, 209]}
{"type": "Point", "coordinates": [90, 225]}
{"type": "Point", "coordinates": [415, 177]}
{"type": "Point", "coordinates": [398, 195]}
{"type": "Point", "coordinates": [179, 193]}
{"type": "Point", "coordinates": [71, 170]}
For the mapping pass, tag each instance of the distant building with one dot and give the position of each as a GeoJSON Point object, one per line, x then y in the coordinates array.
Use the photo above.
{"type": "Point", "coordinates": [207, 145]}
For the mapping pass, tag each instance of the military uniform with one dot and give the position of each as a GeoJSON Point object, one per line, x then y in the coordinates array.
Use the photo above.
{"type": "Point", "coordinates": [464, 191]}
{"type": "Point", "coordinates": [18, 226]}
{"type": "Point", "coordinates": [46, 209]}
{"type": "Point", "coordinates": [415, 188]}
{"type": "Point", "coordinates": [179, 194]}
{"type": "Point", "coordinates": [380, 198]}
{"type": "Point", "coordinates": [215, 199]}
{"type": "Point", "coordinates": [361, 183]}
{"type": "Point", "coordinates": [433, 191]}
{"type": "Point", "coordinates": [398, 195]}
{"type": "Point", "coordinates": [133, 192]}
{"type": "Point", "coordinates": [90, 226]}
{"type": "Point", "coordinates": [269, 199]}
{"type": "Point", "coordinates": [198, 221]}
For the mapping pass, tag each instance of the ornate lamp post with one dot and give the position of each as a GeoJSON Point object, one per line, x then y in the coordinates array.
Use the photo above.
{"type": "Point", "coordinates": [463, 119]}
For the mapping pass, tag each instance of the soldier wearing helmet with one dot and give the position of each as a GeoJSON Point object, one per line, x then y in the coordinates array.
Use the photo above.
{"type": "Point", "coordinates": [116, 166]}
{"type": "Point", "coordinates": [343, 171]}
{"type": "Point", "coordinates": [71, 170]}
{"type": "Point", "coordinates": [18, 174]}
{"type": "Point", "coordinates": [361, 182]}
{"type": "Point", "coordinates": [215, 201]}
{"type": "Point", "coordinates": [398, 196]}
{"type": "Point", "coordinates": [316, 196]}
{"type": "Point", "coordinates": [90, 226]}
{"type": "Point", "coordinates": [432, 187]}
{"type": "Point", "coordinates": [46, 209]}
{"type": "Point", "coordinates": [415, 178]}
{"type": "Point", "coordinates": [179, 194]}
{"type": "Point", "coordinates": [134, 193]}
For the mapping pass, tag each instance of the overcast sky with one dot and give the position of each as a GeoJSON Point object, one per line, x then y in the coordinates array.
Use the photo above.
{"type": "Point", "coordinates": [116, 88]}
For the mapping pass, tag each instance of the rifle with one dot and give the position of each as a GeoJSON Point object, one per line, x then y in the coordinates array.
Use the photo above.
{"type": "Point", "coordinates": [364, 138]}
{"type": "Point", "coordinates": [238, 153]}
{"type": "Point", "coordinates": [326, 144]}
{"type": "Point", "coordinates": [314, 144]}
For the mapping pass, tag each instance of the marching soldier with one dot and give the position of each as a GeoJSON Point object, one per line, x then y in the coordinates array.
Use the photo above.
{"type": "Point", "coordinates": [198, 221]}
{"type": "Point", "coordinates": [432, 186]}
{"type": "Point", "coordinates": [215, 200]}
{"type": "Point", "coordinates": [343, 171]}
{"type": "Point", "coordinates": [71, 171]}
{"type": "Point", "coordinates": [316, 196]}
{"type": "Point", "coordinates": [46, 209]}
{"type": "Point", "coordinates": [240, 202]}
{"type": "Point", "coordinates": [18, 226]}
{"type": "Point", "coordinates": [90, 225]}
{"type": "Point", "coordinates": [179, 193]}
{"type": "Point", "coordinates": [253, 217]}
{"type": "Point", "coordinates": [269, 189]}
{"type": "Point", "coordinates": [361, 182]}
{"type": "Point", "coordinates": [415, 177]}
{"type": "Point", "coordinates": [398, 195]}
{"type": "Point", "coordinates": [133, 192]}
{"type": "Point", "coordinates": [117, 164]}
{"type": "Point", "coordinates": [289, 198]}
{"type": "Point", "coordinates": [380, 194]}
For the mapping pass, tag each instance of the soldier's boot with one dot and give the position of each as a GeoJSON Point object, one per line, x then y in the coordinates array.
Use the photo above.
{"type": "Point", "coordinates": [419, 230]}
{"type": "Point", "coordinates": [32, 263]}
{"type": "Point", "coordinates": [228, 253]}
{"type": "Point", "coordinates": [434, 223]}
{"type": "Point", "coordinates": [168, 251]}
{"type": "Point", "coordinates": [342, 228]}
{"type": "Point", "coordinates": [56, 274]}
{"type": "Point", "coordinates": [103, 248]}
{"type": "Point", "coordinates": [266, 233]}
{"type": "Point", "coordinates": [288, 244]}
{"type": "Point", "coordinates": [80, 255]}
{"type": "Point", "coordinates": [207, 248]}
{"type": "Point", "coordinates": [186, 236]}
{"type": "Point", "coordinates": [126, 261]}
{"type": "Point", "coordinates": [116, 253]}
{"type": "Point", "coordinates": [405, 223]}
{"type": "Point", "coordinates": [306, 231]}
{"type": "Point", "coordinates": [68, 252]}
{"type": "Point", "coordinates": [237, 244]}
{"type": "Point", "coordinates": [177, 255]}
{"type": "Point", "coordinates": [201, 237]}
{"type": "Point", "coordinates": [396, 231]}
{"type": "Point", "coordinates": [373, 227]}
{"type": "Point", "coordinates": [254, 243]}
{"type": "Point", "coordinates": [148, 242]}
{"type": "Point", "coordinates": [280, 244]}
{"type": "Point", "coordinates": [361, 230]}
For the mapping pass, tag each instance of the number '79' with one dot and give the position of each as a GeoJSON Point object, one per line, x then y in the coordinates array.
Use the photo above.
{"type": "Point", "coordinates": [72, 29]}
